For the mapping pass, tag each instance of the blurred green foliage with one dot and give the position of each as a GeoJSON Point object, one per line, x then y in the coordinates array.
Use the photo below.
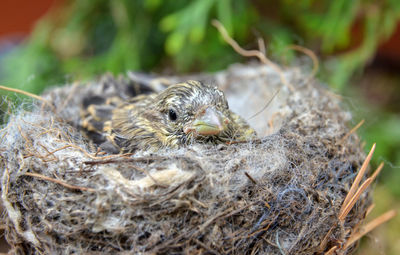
{"type": "Point", "coordinates": [383, 129]}
{"type": "Point", "coordinates": [85, 38]}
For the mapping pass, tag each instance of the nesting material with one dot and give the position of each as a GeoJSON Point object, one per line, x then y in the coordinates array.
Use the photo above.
{"type": "Point", "coordinates": [279, 194]}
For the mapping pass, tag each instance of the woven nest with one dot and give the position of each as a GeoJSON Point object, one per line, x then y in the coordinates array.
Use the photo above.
{"type": "Point", "coordinates": [280, 194]}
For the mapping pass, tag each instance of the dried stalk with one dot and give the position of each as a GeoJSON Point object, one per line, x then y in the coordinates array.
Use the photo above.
{"type": "Point", "coordinates": [251, 53]}
{"type": "Point", "coordinates": [69, 186]}
{"type": "Point", "coordinates": [29, 95]}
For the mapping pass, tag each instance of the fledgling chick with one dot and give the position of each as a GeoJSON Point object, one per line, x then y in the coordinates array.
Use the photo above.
{"type": "Point", "coordinates": [183, 113]}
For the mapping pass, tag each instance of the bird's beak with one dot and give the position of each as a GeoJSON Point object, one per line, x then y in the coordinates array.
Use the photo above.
{"type": "Point", "coordinates": [208, 122]}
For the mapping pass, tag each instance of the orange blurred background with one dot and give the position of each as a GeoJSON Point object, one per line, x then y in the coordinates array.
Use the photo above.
{"type": "Point", "coordinates": [18, 17]}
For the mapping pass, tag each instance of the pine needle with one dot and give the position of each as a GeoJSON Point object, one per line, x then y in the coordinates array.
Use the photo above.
{"type": "Point", "coordinates": [357, 180]}
{"type": "Point", "coordinates": [354, 199]}
{"type": "Point", "coordinates": [370, 226]}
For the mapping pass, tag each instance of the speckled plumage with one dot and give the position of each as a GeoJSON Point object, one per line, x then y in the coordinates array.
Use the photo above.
{"type": "Point", "coordinates": [144, 122]}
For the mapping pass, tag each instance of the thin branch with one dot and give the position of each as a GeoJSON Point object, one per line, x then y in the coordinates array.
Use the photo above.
{"type": "Point", "coordinates": [250, 177]}
{"type": "Point", "coordinates": [29, 95]}
{"type": "Point", "coordinates": [354, 129]}
{"type": "Point", "coordinates": [51, 153]}
{"type": "Point", "coordinates": [246, 53]}
{"type": "Point", "coordinates": [250, 53]}
{"type": "Point", "coordinates": [69, 186]}
{"type": "Point", "coordinates": [122, 158]}
{"type": "Point", "coordinates": [91, 156]}
{"type": "Point", "coordinates": [311, 55]}
{"type": "Point", "coordinates": [261, 45]}
{"type": "Point", "coordinates": [326, 239]}
{"type": "Point", "coordinates": [260, 230]}
{"type": "Point", "coordinates": [331, 251]}
{"type": "Point", "coordinates": [29, 142]}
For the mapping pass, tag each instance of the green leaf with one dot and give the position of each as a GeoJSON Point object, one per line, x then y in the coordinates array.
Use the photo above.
{"type": "Point", "coordinates": [152, 4]}
{"type": "Point", "coordinates": [174, 43]}
{"type": "Point", "coordinates": [196, 34]}
{"type": "Point", "coordinates": [169, 23]}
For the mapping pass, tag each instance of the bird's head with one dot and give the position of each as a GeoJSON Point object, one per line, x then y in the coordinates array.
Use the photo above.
{"type": "Point", "coordinates": [195, 111]}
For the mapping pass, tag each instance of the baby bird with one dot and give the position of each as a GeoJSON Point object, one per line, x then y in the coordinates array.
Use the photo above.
{"type": "Point", "coordinates": [181, 114]}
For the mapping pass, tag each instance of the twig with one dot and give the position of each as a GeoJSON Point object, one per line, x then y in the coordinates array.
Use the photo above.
{"type": "Point", "coordinates": [122, 159]}
{"type": "Point", "coordinates": [250, 53]}
{"type": "Point", "coordinates": [48, 152]}
{"type": "Point", "coordinates": [250, 178]}
{"type": "Point", "coordinates": [51, 153]}
{"type": "Point", "coordinates": [326, 239]}
{"type": "Point", "coordinates": [260, 230]}
{"type": "Point", "coordinates": [238, 210]}
{"type": "Point", "coordinates": [227, 213]}
{"type": "Point", "coordinates": [261, 45]}
{"type": "Point", "coordinates": [236, 46]}
{"type": "Point", "coordinates": [91, 156]}
{"type": "Point", "coordinates": [69, 186]}
{"type": "Point", "coordinates": [354, 129]}
{"type": "Point", "coordinates": [212, 219]}
{"type": "Point", "coordinates": [311, 55]}
{"type": "Point", "coordinates": [25, 137]}
{"type": "Point", "coordinates": [369, 227]}
{"type": "Point", "coordinates": [331, 250]}
{"type": "Point", "coordinates": [28, 94]}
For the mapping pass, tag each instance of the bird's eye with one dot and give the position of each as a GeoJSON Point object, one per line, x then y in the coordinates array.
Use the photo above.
{"type": "Point", "coordinates": [172, 115]}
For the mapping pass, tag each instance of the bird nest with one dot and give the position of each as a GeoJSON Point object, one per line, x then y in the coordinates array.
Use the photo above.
{"type": "Point", "coordinates": [294, 190]}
